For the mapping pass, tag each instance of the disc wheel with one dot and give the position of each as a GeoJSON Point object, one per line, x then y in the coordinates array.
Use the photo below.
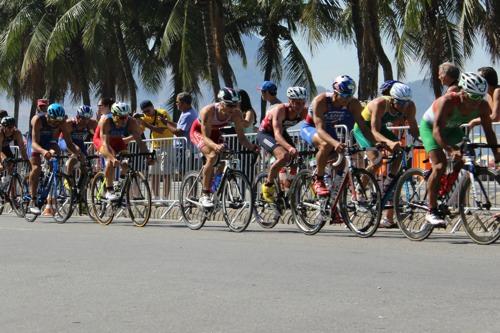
{"type": "Point", "coordinates": [309, 210]}
{"type": "Point", "coordinates": [192, 213]}
{"type": "Point", "coordinates": [237, 201]}
{"type": "Point", "coordinates": [139, 199]}
{"type": "Point", "coordinates": [479, 209]}
{"type": "Point", "coordinates": [266, 214]}
{"type": "Point", "coordinates": [360, 203]}
{"type": "Point", "coordinates": [103, 209]}
{"type": "Point", "coordinates": [410, 205]}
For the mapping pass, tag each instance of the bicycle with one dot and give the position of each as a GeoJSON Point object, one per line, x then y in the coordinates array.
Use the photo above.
{"type": "Point", "coordinates": [135, 194]}
{"type": "Point", "coordinates": [355, 191]}
{"type": "Point", "coordinates": [11, 190]}
{"type": "Point", "coordinates": [474, 198]}
{"type": "Point", "coordinates": [269, 214]}
{"type": "Point", "coordinates": [82, 179]}
{"type": "Point", "coordinates": [55, 183]}
{"type": "Point", "coordinates": [233, 195]}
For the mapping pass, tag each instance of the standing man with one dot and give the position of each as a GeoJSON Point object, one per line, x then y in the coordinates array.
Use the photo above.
{"type": "Point", "coordinates": [268, 92]}
{"type": "Point", "coordinates": [188, 115]}
{"type": "Point", "coordinates": [161, 126]}
{"type": "Point", "coordinates": [448, 75]}
{"type": "Point", "coordinates": [41, 106]}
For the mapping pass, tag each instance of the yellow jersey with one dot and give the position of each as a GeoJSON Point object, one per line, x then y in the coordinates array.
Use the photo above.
{"type": "Point", "coordinates": [154, 120]}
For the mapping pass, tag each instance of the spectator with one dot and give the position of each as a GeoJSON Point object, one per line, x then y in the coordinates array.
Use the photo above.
{"type": "Point", "coordinates": [269, 91]}
{"type": "Point", "coordinates": [449, 75]}
{"type": "Point", "coordinates": [249, 115]}
{"type": "Point", "coordinates": [188, 116]}
{"type": "Point", "coordinates": [161, 126]}
{"type": "Point", "coordinates": [41, 106]}
{"type": "Point", "coordinates": [493, 94]}
{"type": "Point", "coordinates": [104, 106]}
{"type": "Point", "coordinates": [3, 114]}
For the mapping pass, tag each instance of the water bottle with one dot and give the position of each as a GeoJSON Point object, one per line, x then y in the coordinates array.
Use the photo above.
{"type": "Point", "coordinates": [312, 162]}
{"type": "Point", "coordinates": [327, 178]}
{"type": "Point", "coordinates": [216, 182]}
{"type": "Point", "coordinates": [5, 181]}
{"type": "Point", "coordinates": [117, 186]}
{"type": "Point", "coordinates": [337, 182]}
{"type": "Point", "coordinates": [283, 177]}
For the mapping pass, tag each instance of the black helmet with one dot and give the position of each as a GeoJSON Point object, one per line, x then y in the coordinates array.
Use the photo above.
{"type": "Point", "coordinates": [228, 96]}
{"type": "Point", "coordinates": [8, 121]}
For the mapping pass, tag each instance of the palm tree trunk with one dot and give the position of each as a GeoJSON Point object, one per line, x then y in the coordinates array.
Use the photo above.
{"type": "Point", "coordinates": [125, 63]}
{"type": "Point", "coordinates": [384, 61]}
{"type": "Point", "coordinates": [16, 89]}
{"type": "Point", "coordinates": [220, 47]}
{"type": "Point", "coordinates": [206, 8]}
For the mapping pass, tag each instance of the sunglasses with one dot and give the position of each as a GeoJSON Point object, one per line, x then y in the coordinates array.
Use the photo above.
{"type": "Point", "coordinates": [55, 120]}
{"type": "Point", "coordinates": [401, 102]}
{"type": "Point", "coordinates": [120, 117]}
{"type": "Point", "coordinates": [475, 97]}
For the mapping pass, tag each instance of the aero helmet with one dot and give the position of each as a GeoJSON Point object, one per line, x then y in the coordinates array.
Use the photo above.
{"type": "Point", "coordinates": [120, 109]}
{"type": "Point", "coordinates": [8, 121]}
{"type": "Point", "coordinates": [345, 85]}
{"type": "Point", "coordinates": [400, 91]}
{"type": "Point", "coordinates": [56, 111]}
{"type": "Point", "coordinates": [228, 96]}
{"type": "Point", "coordinates": [296, 93]}
{"type": "Point", "coordinates": [84, 111]}
{"type": "Point", "coordinates": [473, 83]}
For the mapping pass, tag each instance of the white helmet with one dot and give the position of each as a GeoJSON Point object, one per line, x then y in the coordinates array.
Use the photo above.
{"type": "Point", "coordinates": [120, 109]}
{"type": "Point", "coordinates": [296, 93]}
{"type": "Point", "coordinates": [473, 83]}
{"type": "Point", "coordinates": [400, 91]}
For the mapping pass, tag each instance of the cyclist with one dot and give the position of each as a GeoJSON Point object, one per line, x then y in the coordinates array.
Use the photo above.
{"type": "Point", "coordinates": [206, 135]}
{"type": "Point", "coordinates": [440, 130]}
{"type": "Point", "coordinates": [327, 110]}
{"type": "Point", "coordinates": [82, 127]}
{"type": "Point", "coordinates": [274, 138]}
{"type": "Point", "coordinates": [397, 107]}
{"type": "Point", "coordinates": [9, 134]}
{"type": "Point", "coordinates": [110, 139]}
{"type": "Point", "coordinates": [45, 130]}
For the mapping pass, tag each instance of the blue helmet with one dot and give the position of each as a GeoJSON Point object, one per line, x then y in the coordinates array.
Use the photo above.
{"type": "Point", "coordinates": [344, 85]}
{"type": "Point", "coordinates": [386, 86]}
{"type": "Point", "coordinates": [56, 111]}
{"type": "Point", "coordinates": [84, 111]}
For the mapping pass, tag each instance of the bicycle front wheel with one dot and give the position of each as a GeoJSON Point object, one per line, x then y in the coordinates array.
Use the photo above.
{"type": "Point", "coordinates": [410, 205]}
{"type": "Point", "coordinates": [360, 203]}
{"type": "Point", "coordinates": [102, 209]}
{"type": "Point", "coordinates": [479, 207]}
{"type": "Point", "coordinates": [64, 198]}
{"type": "Point", "coordinates": [237, 201]}
{"type": "Point", "coordinates": [16, 190]}
{"type": "Point", "coordinates": [189, 195]}
{"type": "Point", "coordinates": [139, 199]}
{"type": "Point", "coordinates": [307, 210]}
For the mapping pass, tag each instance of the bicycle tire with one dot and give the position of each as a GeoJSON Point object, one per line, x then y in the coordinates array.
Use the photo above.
{"type": "Point", "coordinates": [366, 198]}
{"type": "Point", "coordinates": [144, 197]}
{"type": "Point", "coordinates": [104, 211]}
{"type": "Point", "coordinates": [237, 194]}
{"type": "Point", "coordinates": [480, 231]}
{"type": "Point", "coordinates": [266, 215]}
{"type": "Point", "coordinates": [193, 215]}
{"type": "Point", "coordinates": [64, 201]}
{"type": "Point", "coordinates": [16, 202]}
{"type": "Point", "coordinates": [303, 200]}
{"type": "Point", "coordinates": [410, 198]}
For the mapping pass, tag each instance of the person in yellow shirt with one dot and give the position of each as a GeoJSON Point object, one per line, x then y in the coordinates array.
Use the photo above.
{"type": "Point", "coordinates": [161, 126]}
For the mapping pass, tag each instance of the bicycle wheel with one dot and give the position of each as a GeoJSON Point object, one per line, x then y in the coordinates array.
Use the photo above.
{"type": "Point", "coordinates": [360, 203]}
{"type": "Point", "coordinates": [308, 210]}
{"type": "Point", "coordinates": [16, 200]}
{"type": "Point", "coordinates": [64, 201]}
{"type": "Point", "coordinates": [139, 199]}
{"type": "Point", "coordinates": [479, 207]}
{"type": "Point", "coordinates": [266, 214]}
{"type": "Point", "coordinates": [410, 205]}
{"type": "Point", "coordinates": [103, 210]}
{"type": "Point", "coordinates": [192, 213]}
{"type": "Point", "coordinates": [237, 201]}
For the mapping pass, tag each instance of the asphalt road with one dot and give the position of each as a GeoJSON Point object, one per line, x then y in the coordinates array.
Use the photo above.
{"type": "Point", "coordinates": [83, 277]}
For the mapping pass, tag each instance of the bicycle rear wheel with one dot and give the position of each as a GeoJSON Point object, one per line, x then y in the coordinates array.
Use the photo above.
{"type": "Point", "coordinates": [139, 199]}
{"type": "Point", "coordinates": [266, 214]}
{"type": "Point", "coordinates": [360, 203]}
{"type": "Point", "coordinates": [479, 207]}
{"type": "Point", "coordinates": [192, 213]}
{"type": "Point", "coordinates": [410, 205]}
{"type": "Point", "coordinates": [103, 209]}
{"type": "Point", "coordinates": [64, 202]}
{"type": "Point", "coordinates": [306, 206]}
{"type": "Point", "coordinates": [237, 201]}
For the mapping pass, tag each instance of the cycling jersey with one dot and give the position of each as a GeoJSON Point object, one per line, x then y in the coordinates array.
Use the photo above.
{"type": "Point", "coordinates": [196, 135]}
{"type": "Point", "coordinates": [78, 136]}
{"type": "Point", "coordinates": [7, 140]}
{"type": "Point", "coordinates": [334, 115]}
{"type": "Point", "coordinates": [265, 136]}
{"type": "Point", "coordinates": [115, 135]}
{"type": "Point", "coordinates": [48, 136]}
{"type": "Point", "coordinates": [452, 131]}
{"type": "Point", "coordinates": [389, 116]}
